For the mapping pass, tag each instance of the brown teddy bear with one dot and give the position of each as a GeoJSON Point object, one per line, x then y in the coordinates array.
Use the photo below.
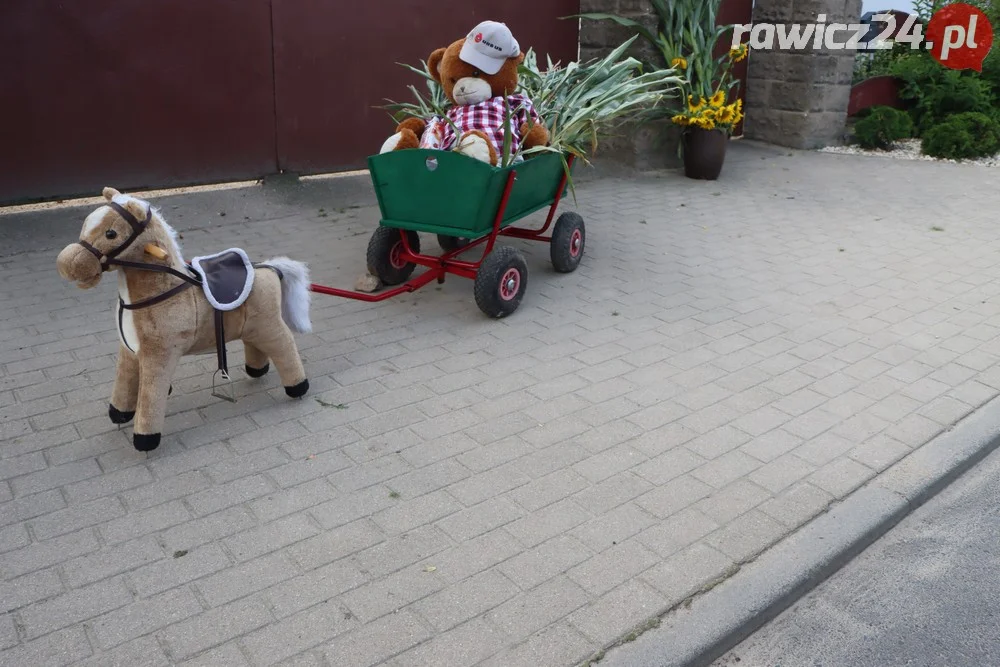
{"type": "Point", "coordinates": [478, 75]}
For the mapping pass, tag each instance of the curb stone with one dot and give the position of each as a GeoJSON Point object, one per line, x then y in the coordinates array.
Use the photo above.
{"type": "Point", "coordinates": [695, 635]}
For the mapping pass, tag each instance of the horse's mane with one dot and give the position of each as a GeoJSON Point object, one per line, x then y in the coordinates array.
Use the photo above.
{"type": "Point", "coordinates": [172, 236]}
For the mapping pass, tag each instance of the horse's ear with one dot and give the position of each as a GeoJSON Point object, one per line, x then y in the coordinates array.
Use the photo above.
{"type": "Point", "coordinates": [110, 193]}
{"type": "Point", "coordinates": [136, 208]}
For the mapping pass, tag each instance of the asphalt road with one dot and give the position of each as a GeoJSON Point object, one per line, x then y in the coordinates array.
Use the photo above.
{"type": "Point", "coordinates": [927, 593]}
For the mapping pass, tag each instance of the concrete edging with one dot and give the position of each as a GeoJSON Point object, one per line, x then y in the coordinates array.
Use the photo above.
{"type": "Point", "coordinates": [721, 619]}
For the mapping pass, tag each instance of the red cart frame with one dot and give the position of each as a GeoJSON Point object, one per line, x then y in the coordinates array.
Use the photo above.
{"type": "Point", "coordinates": [447, 263]}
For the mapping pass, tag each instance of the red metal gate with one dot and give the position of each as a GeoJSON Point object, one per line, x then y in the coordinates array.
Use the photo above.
{"type": "Point", "coordinates": [133, 94]}
{"type": "Point", "coordinates": [163, 93]}
{"type": "Point", "coordinates": [336, 61]}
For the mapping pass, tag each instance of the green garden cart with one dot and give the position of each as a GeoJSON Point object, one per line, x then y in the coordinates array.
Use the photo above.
{"type": "Point", "coordinates": [466, 203]}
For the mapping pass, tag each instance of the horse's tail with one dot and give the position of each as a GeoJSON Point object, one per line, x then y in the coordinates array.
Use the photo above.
{"type": "Point", "coordinates": [295, 293]}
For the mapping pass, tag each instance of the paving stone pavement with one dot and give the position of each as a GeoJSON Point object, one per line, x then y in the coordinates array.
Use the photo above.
{"type": "Point", "coordinates": [729, 358]}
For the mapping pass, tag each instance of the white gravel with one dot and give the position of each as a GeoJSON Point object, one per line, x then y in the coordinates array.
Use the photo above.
{"type": "Point", "coordinates": [908, 150]}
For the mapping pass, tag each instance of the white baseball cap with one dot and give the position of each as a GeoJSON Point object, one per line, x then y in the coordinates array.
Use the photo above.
{"type": "Point", "coordinates": [488, 46]}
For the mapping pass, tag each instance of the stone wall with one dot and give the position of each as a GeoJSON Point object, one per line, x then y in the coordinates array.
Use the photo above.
{"type": "Point", "coordinates": [598, 38]}
{"type": "Point", "coordinates": [799, 98]}
{"type": "Point", "coordinates": [794, 98]}
{"type": "Point", "coordinates": [652, 145]}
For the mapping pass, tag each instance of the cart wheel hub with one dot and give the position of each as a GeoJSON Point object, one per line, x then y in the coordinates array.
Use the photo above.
{"type": "Point", "coordinates": [575, 242]}
{"type": "Point", "coordinates": [396, 256]}
{"type": "Point", "coordinates": [509, 284]}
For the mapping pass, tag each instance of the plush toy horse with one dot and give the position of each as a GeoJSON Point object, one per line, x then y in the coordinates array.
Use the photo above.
{"type": "Point", "coordinates": [159, 319]}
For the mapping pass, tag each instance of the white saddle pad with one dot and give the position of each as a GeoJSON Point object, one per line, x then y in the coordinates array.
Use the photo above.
{"type": "Point", "coordinates": [227, 277]}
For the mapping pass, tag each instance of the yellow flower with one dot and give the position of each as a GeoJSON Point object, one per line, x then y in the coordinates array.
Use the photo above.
{"type": "Point", "coordinates": [739, 53]}
{"type": "Point", "coordinates": [693, 106]}
{"type": "Point", "coordinates": [718, 99]}
{"type": "Point", "coordinates": [703, 122]}
{"type": "Point", "coordinates": [680, 63]}
{"type": "Point", "coordinates": [681, 119]}
{"type": "Point", "coordinates": [726, 114]}
{"type": "Point", "coordinates": [709, 114]}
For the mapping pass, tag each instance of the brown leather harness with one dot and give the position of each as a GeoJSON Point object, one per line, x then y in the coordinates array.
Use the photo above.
{"type": "Point", "coordinates": [109, 259]}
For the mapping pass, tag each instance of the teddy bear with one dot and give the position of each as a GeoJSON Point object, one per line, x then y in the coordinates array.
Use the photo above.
{"type": "Point", "coordinates": [478, 74]}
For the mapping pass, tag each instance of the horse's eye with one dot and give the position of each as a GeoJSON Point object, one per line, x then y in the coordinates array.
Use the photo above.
{"type": "Point", "coordinates": [110, 234]}
{"type": "Point", "coordinates": [475, 72]}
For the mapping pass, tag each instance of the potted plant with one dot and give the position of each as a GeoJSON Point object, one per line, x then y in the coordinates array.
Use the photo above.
{"type": "Point", "coordinates": [708, 121]}
{"type": "Point", "coordinates": [685, 39]}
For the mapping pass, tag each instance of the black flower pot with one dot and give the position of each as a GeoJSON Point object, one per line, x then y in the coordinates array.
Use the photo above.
{"type": "Point", "coordinates": [704, 153]}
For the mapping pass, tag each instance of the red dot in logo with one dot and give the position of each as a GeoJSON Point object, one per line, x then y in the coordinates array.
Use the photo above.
{"type": "Point", "coordinates": [961, 36]}
{"type": "Point", "coordinates": [479, 37]}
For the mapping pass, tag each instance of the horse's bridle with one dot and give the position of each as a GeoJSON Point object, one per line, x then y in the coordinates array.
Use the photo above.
{"type": "Point", "coordinates": [107, 259]}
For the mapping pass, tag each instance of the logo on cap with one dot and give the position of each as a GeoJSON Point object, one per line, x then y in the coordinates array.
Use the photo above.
{"type": "Point", "coordinates": [488, 45]}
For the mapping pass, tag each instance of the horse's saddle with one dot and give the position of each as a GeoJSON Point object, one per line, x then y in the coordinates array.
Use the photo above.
{"type": "Point", "coordinates": [226, 278]}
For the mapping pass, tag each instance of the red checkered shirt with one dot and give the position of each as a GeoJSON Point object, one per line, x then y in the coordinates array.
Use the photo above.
{"type": "Point", "coordinates": [486, 117]}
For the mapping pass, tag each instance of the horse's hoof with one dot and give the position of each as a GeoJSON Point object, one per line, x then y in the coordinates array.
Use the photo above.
{"type": "Point", "coordinates": [145, 443]}
{"type": "Point", "coordinates": [258, 372]}
{"type": "Point", "coordinates": [299, 390]}
{"type": "Point", "coordinates": [119, 417]}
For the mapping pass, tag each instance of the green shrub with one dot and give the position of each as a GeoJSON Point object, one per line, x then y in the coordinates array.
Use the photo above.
{"type": "Point", "coordinates": [991, 66]}
{"type": "Point", "coordinates": [963, 136]}
{"type": "Point", "coordinates": [984, 128]}
{"type": "Point", "coordinates": [879, 63]}
{"type": "Point", "coordinates": [991, 71]}
{"type": "Point", "coordinates": [934, 92]}
{"type": "Point", "coordinates": [882, 127]}
{"type": "Point", "coordinates": [949, 141]}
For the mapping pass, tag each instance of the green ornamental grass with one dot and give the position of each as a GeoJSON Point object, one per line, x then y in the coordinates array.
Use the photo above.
{"type": "Point", "coordinates": [577, 102]}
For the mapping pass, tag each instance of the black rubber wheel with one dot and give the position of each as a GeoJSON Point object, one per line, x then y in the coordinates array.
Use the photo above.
{"type": "Point", "coordinates": [569, 237]}
{"type": "Point", "coordinates": [449, 243]}
{"type": "Point", "coordinates": [501, 282]}
{"type": "Point", "coordinates": [384, 261]}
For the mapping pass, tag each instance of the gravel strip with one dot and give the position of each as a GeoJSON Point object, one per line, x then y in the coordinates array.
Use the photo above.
{"type": "Point", "coordinates": [908, 150]}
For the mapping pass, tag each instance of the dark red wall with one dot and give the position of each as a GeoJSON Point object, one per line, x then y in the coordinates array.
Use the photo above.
{"type": "Point", "coordinates": [161, 93]}
{"type": "Point", "coordinates": [336, 61]}
{"type": "Point", "coordinates": [736, 12]}
{"type": "Point", "coordinates": [876, 91]}
{"type": "Point", "coordinates": [132, 94]}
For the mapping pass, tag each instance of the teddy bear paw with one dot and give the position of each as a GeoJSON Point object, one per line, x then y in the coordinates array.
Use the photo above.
{"type": "Point", "coordinates": [391, 143]}
{"type": "Point", "coordinates": [476, 145]}
{"type": "Point", "coordinates": [405, 138]}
